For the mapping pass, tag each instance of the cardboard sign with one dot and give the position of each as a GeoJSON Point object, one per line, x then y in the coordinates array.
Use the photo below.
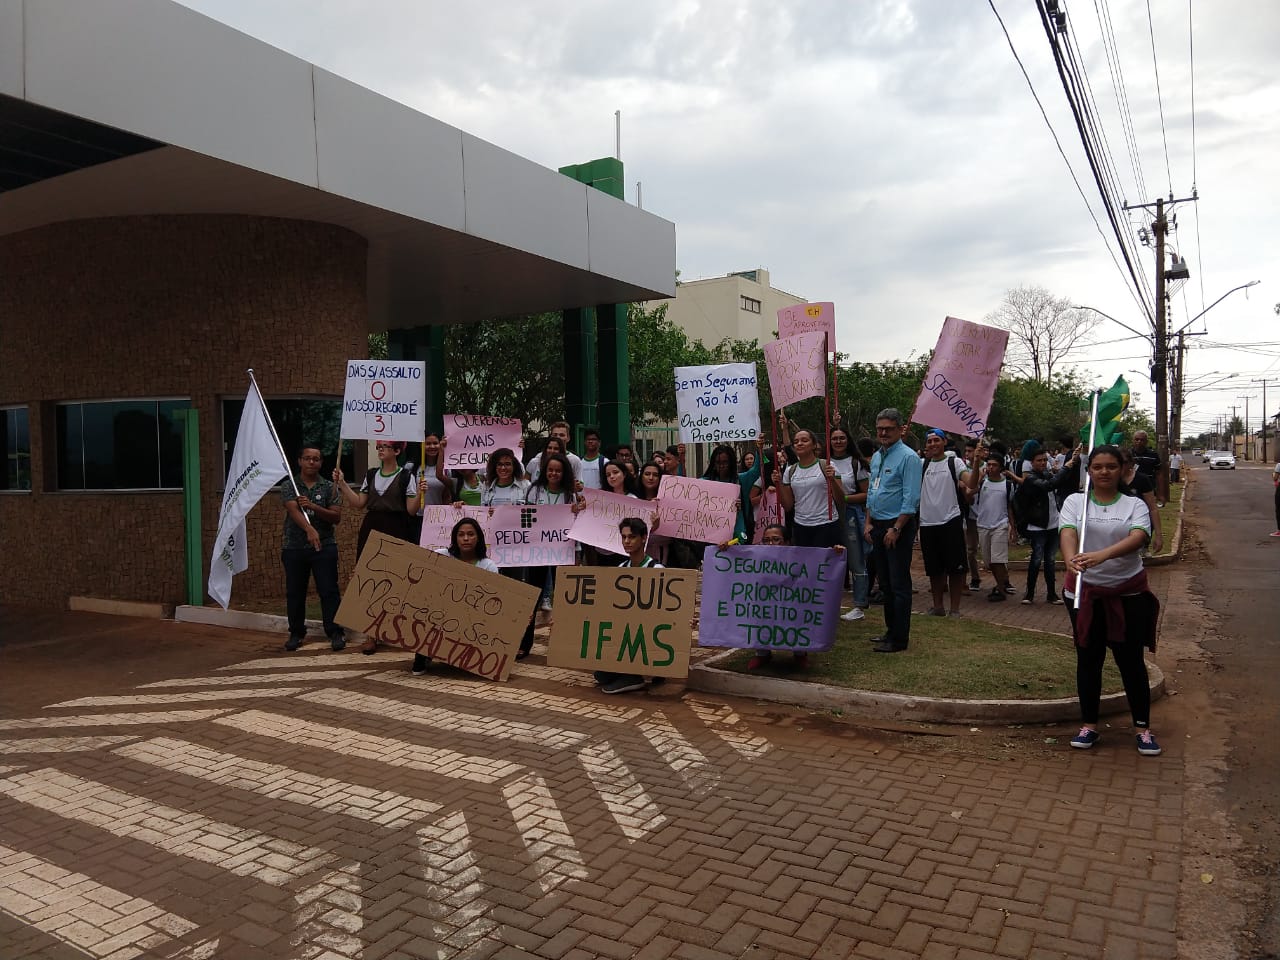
{"type": "Point", "coordinates": [597, 523]}
{"type": "Point", "coordinates": [623, 620]}
{"type": "Point", "coordinates": [797, 368]}
{"type": "Point", "coordinates": [531, 536]}
{"type": "Point", "coordinates": [705, 510]}
{"type": "Point", "coordinates": [470, 438]}
{"type": "Point", "coordinates": [767, 511]}
{"type": "Point", "coordinates": [809, 318]}
{"type": "Point", "coordinates": [771, 598]}
{"type": "Point", "coordinates": [385, 400]}
{"type": "Point", "coordinates": [961, 382]}
{"type": "Point", "coordinates": [435, 605]}
{"type": "Point", "coordinates": [438, 523]}
{"type": "Point", "coordinates": [719, 403]}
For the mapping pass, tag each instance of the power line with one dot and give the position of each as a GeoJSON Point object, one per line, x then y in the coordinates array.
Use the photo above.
{"type": "Point", "coordinates": [1139, 287]}
{"type": "Point", "coordinates": [1058, 143]}
{"type": "Point", "coordinates": [1121, 93]}
{"type": "Point", "coordinates": [1159, 99]}
{"type": "Point", "coordinates": [1191, 51]}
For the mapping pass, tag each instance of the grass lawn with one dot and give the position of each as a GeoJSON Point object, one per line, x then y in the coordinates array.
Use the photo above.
{"type": "Point", "coordinates": [1168, 524]}
{"type": "Point", "coordinates": [953, 657]}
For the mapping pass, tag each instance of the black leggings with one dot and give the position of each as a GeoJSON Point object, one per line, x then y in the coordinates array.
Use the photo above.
{"type": "Point", "coordinates": [1127, 655]}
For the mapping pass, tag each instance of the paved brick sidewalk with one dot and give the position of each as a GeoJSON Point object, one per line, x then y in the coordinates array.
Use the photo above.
{"type": "Point", "coordinates": [266, 805]}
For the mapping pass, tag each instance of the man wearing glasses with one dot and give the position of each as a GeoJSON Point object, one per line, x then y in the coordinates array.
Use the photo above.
{"type": "Point", "coordinates": [893, 499]}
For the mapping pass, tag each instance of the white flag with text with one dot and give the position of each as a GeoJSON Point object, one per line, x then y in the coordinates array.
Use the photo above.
{"type": "Point", "coordinates": [256, 467]}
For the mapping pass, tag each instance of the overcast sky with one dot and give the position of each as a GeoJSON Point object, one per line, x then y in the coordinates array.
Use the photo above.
{"type": "Point", "coordinates": [883, 154]}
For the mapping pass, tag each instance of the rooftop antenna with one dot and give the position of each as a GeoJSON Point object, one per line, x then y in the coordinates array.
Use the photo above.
{"type": "Point", "coordinates": [639, 194]}
{"type": "Point", "coordinates": [617, 134]}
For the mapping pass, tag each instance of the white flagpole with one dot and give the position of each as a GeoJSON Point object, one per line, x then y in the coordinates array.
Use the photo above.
{"type": "Point", "coordinates": [1084, 511]}
{"type": "Point", "coordinates": [288, 471]}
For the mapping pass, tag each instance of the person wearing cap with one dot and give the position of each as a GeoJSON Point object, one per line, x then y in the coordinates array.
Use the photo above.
{"type": "Point", "coordinates": [945, 490]}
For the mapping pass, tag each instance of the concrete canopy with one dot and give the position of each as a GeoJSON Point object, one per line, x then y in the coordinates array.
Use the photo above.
{"type": "Point", "coordinates": [145, 107]}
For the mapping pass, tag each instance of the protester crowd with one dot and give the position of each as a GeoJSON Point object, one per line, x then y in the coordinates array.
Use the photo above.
{"type": "Point", "coordinates": [964, 503]}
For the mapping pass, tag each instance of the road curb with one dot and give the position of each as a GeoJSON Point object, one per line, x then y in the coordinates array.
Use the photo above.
{"type": "Point", "coordinates": [708, 678]}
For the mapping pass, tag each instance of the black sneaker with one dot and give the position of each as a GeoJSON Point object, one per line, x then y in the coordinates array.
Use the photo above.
{"type": "Point", "coordinates": [293, 643]}
{"type": "Point", "coordinates": [975, 586]}
{"type": "Point", "coordinates": [1055, 599]}
{"type": "Point", "coordinates": [1029, 598]}
{"type": "Point", "coordinates": [420, 664]}
{"type": "Point", "coordinates": [623, 684]}
{"type": "Point", "coordinates": [996, 596]}
{"type": "Point", "coordinates": [1010, 589]}
{"type": "Point", "coordinates": [337, 642]}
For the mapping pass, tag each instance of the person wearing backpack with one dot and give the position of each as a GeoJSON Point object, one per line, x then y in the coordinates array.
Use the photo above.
{"type": "Point", "coordinates": [1036, 504]}
{"type": "Point", "coordinates": [993, 512]}
{"type": "Point", "coordinates": [944, 499]}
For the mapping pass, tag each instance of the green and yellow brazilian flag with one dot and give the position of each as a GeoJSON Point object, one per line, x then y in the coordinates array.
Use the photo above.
{"type": "Point", "coordinates": [1111, 407]}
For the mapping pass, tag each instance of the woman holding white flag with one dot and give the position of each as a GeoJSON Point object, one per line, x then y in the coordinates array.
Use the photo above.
{"type": "Point", "coordinates": [1101, 532]}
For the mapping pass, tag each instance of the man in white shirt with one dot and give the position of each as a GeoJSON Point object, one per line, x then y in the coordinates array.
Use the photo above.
{"type": "Point", "coordinates": [943, 500]}
{"type": "Point", "coordinates": [993, 512]}
{"type": "Point", "coordinates": [559, 429]}
{"type": "Point", "coordinates": [592, 461]}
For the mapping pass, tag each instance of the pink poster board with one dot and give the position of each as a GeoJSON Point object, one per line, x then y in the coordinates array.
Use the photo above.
{"type": "Point", "coordinates": [809, 318]}
{"type": "Point", "coordinates": [470, 438]}
{"type": "Point", "coordinates": [797, 368]}
{"type": "Point", "coordinates": [703, 510]}
{"type": "Point", "coordinates": [531, 536]}
{"type": "Point", "coordinates": [438, 521]}
{"type": "Point", "coordinates": [597, 523]}
{"type": "Point", "coordinates": [961, 382]}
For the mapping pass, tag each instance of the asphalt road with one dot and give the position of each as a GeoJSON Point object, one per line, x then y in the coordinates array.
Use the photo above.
{"type": "Point", "coordinates": [1238, 575]}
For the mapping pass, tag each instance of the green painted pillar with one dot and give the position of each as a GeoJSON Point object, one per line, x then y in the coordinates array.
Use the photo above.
{"type": "Point", "coordinates": [193, 552]}
{"type": "Point", "coordinates": [595, 341]}
{"type": "Point", "coordinates": [579, 340]}
{"type": "Point", "coordinates": [615, 375]}
{"type": "Point", "coordinates": [423, 343]}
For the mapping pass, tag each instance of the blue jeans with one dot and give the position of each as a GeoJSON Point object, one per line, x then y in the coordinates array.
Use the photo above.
{"type": "Point", "coordinates": [893, 567]}
{"type": "Point", "coordinates": [857, 553]}
{"type": "Point", "coordinates": [300, 565]}
{"type": "Point", "coordinates": [1044, 550]}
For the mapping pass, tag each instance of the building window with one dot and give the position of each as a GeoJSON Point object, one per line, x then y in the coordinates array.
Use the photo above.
{"type": "Point", "coordinates": [300, 420]}
{"type": "Point", "coordinates": [16, 435]}
{"type": "Point", "coordinates": [749, 304]}
{"type": "Point", "coordinates": [120, 445]}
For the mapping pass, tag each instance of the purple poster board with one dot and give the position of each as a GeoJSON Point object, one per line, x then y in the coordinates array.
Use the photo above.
{"type": "Point", "coordinates": [771, 598]}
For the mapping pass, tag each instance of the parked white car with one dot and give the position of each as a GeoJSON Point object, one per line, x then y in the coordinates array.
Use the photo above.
{"type": "Point", "coordinates": [1222, 461]}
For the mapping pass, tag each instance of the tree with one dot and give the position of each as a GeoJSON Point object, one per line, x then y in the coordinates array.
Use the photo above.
{"type": "Point", "coordinates": [1043, 330]}
{"type": "Point", "coordinates": [512, 367]}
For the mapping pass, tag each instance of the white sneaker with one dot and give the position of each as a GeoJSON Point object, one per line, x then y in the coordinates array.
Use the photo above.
{"type": "Point", "coordinates": [854, 614]}
{"type": "Point", "coordinates": [545, 605]}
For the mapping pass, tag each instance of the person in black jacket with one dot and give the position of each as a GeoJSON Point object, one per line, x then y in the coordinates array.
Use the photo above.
{"type": "Point", "coordinates": [1040, 494]}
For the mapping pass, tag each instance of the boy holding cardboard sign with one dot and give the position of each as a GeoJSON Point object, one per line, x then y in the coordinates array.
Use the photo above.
{"type": "Point", "coordinates": [638, 619]}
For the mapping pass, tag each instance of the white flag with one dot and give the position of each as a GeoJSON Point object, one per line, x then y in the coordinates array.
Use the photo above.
{"type": "Point", "coordinates": [256, 467]}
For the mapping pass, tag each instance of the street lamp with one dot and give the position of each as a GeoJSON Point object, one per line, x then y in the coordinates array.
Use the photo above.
{"type": "Point", "coordinates": [1166, 425]}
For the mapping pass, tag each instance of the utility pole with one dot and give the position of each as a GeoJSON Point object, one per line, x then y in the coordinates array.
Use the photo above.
{"type": "Point", "coordinates": [1265, 408]}
{"type": "Point", "coordinates": [1232, 427]}
{"type": "Point", "coordinates": [1177, 393]}
{"type": "Point", "coordinates": [1159, 362]}
{"type": "Point", "coordinates": [1246, 426]}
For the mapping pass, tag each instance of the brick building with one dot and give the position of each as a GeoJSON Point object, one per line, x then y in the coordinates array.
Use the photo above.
{"type": "Point", "coordinates": [180, 202]}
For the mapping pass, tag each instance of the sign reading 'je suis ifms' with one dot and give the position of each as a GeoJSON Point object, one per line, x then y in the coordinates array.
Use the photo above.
{"type": "Point", "coordinates": [624, 620]}
{"type": "Point", "coordinates": [385, 400]}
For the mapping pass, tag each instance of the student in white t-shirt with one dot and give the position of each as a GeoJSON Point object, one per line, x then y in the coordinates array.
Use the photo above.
{"type": "Point", "coordinates": [466, 544]}
{"type": "Point", "coordinates": [993, 514]}
{"type": "Point", "coordinates": [1101, 534]}
{"type": "Point", "coordinates": [592, 460]}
